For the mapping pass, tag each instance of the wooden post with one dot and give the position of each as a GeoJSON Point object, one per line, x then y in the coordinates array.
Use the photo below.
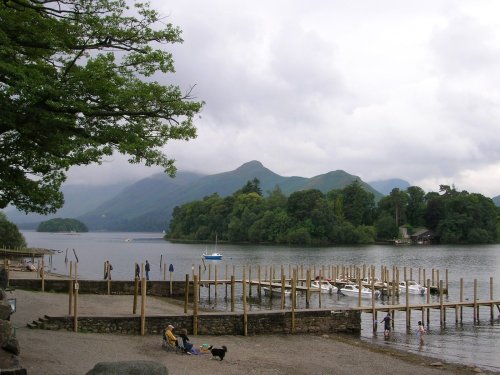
{"type": "Point", "coordinates": [308, 286]}
{"type": "Point", "coordinates": [249, 281]}
{"type": "Point", "coordinates": [171, 277]}
{"type": "Point", "coordinates": [282, 292]}
{"type": "Point", "coordinates": [196, 285]}
{"type": "Point", "coordinates": [374, 312]}
{"type": "Point", "coordinates": [258, 285]}
{"type": "Point", "coordinates": [233, 282]}
{"type": "Point", "coordinates": [461, 298]}
{"type": "Point", "coordinates": [43, 274]}
{"type": "Point", "coordinates": [446, 275]}
{"type": "Point", "coordinates": [70, 291]}
{"type": "Point", "coordinates": [136, 292]}
{"type": "Point", "coordinates": [408, 323]}
{"type": "Point", "coordinates": [245, 316]}
{"type": "Point", "coordinates": [359, 292]}
{"type": "Point", "coordinates": [428, 301]}
{"type": "Point", "coordinates": [199, 281]}
{"type": "Point", "coordinates": [319, 294]}
{"type": "Point", "coordinates": [215, 281]}
{"type": "Point", "coordinates": [294, 298]}
{"type": "Point", "coordinates": [492, 317]}
{"type": "Point", "coordinates": [209, 278]}
{"type": "Point", "coordinates": [225, 278]}
{"type": "Point", "coordinates": [433, 283]}
{"type": "Point", "coordinates": [7, 269]}
{"type": "Point", "coordinates": [420, 277]}
{"type": "Point", "coordinates": [143, 306]}
{"type": "Point", "coordinates": [109, 286]}
{"type": "Point", "coordinates": [165, 276]}
{"type": "Point", "coordinates": [75, 303]}
{"type": "Point", "coordinates": [476, 318]}
{"type": "Point", "coordinates": [441, 308]}
{"type": "Point", "coordinates": [186, 294]}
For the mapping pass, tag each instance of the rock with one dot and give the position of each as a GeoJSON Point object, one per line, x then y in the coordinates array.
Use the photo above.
{"type": "Point", "coordinates": [3, 278]}
{"type": "Point", "coordinates": [5, 332]}
{"type": "Point", "coordinates": [12, 346]}
{"type": "Point", "coordinates": [9, 365]}
{"type": "Point", "coordinates": [477, 370]}
{"type": "Point", "coordinates": [436, 364]}
{"type": "Point", "coordinates": [129, 368]}
{"type": "Point", "coordinates": [5, 310]}
{"type": "Point", "coordinates": [3, 295]}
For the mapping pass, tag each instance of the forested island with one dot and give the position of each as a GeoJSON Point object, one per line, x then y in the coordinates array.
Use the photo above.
{"type": "Point", "coordinates": [344, 216]}
{"type": "Point", "coordinates": [62, 225]}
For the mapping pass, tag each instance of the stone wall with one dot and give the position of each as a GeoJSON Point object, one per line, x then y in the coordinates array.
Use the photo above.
{"type": "Point", "coordinates": [153, 288]}
{"type": "Point", "coordinates": [272, 322]}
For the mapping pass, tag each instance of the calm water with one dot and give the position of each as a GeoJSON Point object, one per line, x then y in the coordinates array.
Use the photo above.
{"type": "Point", "coordinates": [465, 343]}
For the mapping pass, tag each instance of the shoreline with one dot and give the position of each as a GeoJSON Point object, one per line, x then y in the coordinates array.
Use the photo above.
{"type": "Point", "coordinates": [63, 352]}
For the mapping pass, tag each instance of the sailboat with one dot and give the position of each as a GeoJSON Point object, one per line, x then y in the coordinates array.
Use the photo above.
{"type": "Point", "coordinates": [213, 256]}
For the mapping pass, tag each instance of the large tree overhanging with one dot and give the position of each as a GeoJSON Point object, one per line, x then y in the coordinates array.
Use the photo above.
{"type": "Point", "coordinates": [76, 86]}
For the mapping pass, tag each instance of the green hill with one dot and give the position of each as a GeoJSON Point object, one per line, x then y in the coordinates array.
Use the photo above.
{"type": "Point", "coordinates": [148, 204]}
{"type": "Point", "coordinates": [496, 200]}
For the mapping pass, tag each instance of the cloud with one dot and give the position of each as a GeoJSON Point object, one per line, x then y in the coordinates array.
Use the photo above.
{"type": "Point", "coordinates": [384, 89]}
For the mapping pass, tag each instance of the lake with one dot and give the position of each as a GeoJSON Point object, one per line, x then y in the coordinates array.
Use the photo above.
{"type": "Point", "coordinates": [466, 343]}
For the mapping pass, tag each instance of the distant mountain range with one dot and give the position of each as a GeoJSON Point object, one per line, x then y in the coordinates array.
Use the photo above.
{"type": "Point", "coordinates": [147, 204]}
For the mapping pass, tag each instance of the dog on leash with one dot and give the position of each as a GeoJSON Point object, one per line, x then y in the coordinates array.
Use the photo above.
{"type": "Point", "coordinates": [216, 352]}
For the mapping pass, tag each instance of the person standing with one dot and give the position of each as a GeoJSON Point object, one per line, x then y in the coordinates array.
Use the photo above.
{"type": "Point", "coordinates": [137, 271]}
{"type": "Point", "coordinates": [421, 332]}
{"type": "Point", "coordinates": [107, 270]}
{"type": "Point", "coordinates": [147, 269]}
{"type": "Point", "coordinates": [387, 324]}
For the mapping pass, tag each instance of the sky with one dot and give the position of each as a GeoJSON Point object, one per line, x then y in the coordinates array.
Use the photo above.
{"type": "Point", "coordinates": [380, 89]}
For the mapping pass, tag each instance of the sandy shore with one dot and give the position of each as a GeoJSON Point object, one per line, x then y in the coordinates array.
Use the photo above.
{"type": "Point", "coordinates": [58, 352]}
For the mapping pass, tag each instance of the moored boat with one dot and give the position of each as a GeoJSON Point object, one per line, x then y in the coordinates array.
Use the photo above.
{"type": "Point", "coordinates": [353, 290]}
{"type": "Point", "coordinates": [325, 286]}
{"type": "Point", "coordinates": [213, 256]}
{"type": "Point", "coordinates": [413, 288]}
{"type": "Point", "coordinates": [275, 291]}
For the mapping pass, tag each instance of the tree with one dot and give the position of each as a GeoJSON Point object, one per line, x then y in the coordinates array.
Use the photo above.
{"type": "Point", "coordinates": [10, 237]}
{"type": "Point", "coordinates": [62, 225]}
{"type": "Point", "coordinates": [75, 86]}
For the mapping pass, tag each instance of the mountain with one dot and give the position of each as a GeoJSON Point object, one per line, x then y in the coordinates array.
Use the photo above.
{"type": "Point", "coordinates": [78, 199]}
{"type": "Point", "coordinates": [147, 205]}
{"type": "Point", "coordinates": [386, 186]}
{"type": "Point", "coordinates": [496, 200]}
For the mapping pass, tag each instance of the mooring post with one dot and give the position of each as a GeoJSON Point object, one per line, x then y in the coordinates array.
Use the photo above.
{"type": "Point", "coordinates": [461, 298]}
{"type": "Point", "coordinates": [196, 285]}
{"type": "Point", "coordinates": [476, 317]}
{"type": "Point", "coordinates": [215, 281]}
{"type": "Point", "coordinates": [294, 298]}
{"type": "Point", "coordinates": [408, 323]}
{"type": "Point", "coordinates": [308, 286]}
{"type": "Point", "coordinates": [491, 299]}
{"type": "Point", "coordinates": [441, 308]}
{"type": "Point", "coordinates": [70, 286]}
{"type": "Point", "coordinates": [374, 312]}
{"type": "Point", "coordinates": [75, 302]}
{"type": "Point", "coordinates": [43, 273]}
{"type": "Point", "coordinates": [143, 306]}
{"type": "Point", "coordinates": [282, 292]}
{"type": "Point", "coordinates": [136, 292]}
{"type": "Point", "coordinates": [259, 281]}
{"type": "Point", "coordinates": [245, 316]}
{"type": "Point", "coordinates": [233, 283]}
{"type": "Point", "coordinates": [186, 293]}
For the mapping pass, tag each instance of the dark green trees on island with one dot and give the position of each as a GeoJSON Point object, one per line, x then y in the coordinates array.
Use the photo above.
{"type": "Point", "coordinates": [343, 216]}
{"type": "Point", "coordinates": [62, 225]}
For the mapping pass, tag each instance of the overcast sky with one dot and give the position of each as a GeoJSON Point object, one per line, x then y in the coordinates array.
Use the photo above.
{"type": "Point", "coordinates": [380, 89]}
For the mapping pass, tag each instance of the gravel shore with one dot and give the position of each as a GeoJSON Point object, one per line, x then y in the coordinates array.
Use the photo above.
{"type": "Point", "coordinates": [61, 352]}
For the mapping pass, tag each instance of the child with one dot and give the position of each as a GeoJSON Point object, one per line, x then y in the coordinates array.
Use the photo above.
{"type": "Point", "coordinates": [421, 332]}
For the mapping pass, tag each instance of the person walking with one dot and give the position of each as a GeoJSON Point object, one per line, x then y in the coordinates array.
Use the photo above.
{"type": "Point", "coordinates": [421, 332]}
{"type": "Point", "coordinates": [147, 269]}
{"type": "Point", "coordinates": [137, 271]}
{"type": "Point", "coordinates": [107, 270]}
{"type": "Point", "coordinates": [387, 324]}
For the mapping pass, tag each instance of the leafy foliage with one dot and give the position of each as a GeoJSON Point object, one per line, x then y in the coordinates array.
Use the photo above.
{"type": "Point", "coordinates": [62, 225]}
{"type": "Point", "coordinates": [344, 216]}
{"type": "Point", "coordinates": [10, 237]}
{"type": "Point", "coordinates": [76, 85]}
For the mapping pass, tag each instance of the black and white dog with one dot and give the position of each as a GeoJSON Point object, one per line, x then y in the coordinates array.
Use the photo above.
{"type": "Point", "coordinates": [216, 352]}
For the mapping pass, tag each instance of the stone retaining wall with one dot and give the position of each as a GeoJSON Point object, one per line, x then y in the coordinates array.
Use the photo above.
{"type": "Point", "coordinates": [153, 288]}
{"type": "Point", "coordinates": [274, 322]}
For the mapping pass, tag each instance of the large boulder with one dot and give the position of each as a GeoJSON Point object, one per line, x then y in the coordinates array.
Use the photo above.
{"type": "Point", "coordinates": [129, 368]}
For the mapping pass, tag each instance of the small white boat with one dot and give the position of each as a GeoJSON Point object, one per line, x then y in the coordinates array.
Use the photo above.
{"type": "Point", "coordinates": [276, 292]}
{"type": "Point", "coordinates": [326, 287]}
{"type": "Point", "coordinates": [367, 282]}
{"type": "Point", "coordinates": [413, 288]}
{"type": "Point", "coordinates": [213, 256]}
{"type": "Point", "coordinates": [352, 290]}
